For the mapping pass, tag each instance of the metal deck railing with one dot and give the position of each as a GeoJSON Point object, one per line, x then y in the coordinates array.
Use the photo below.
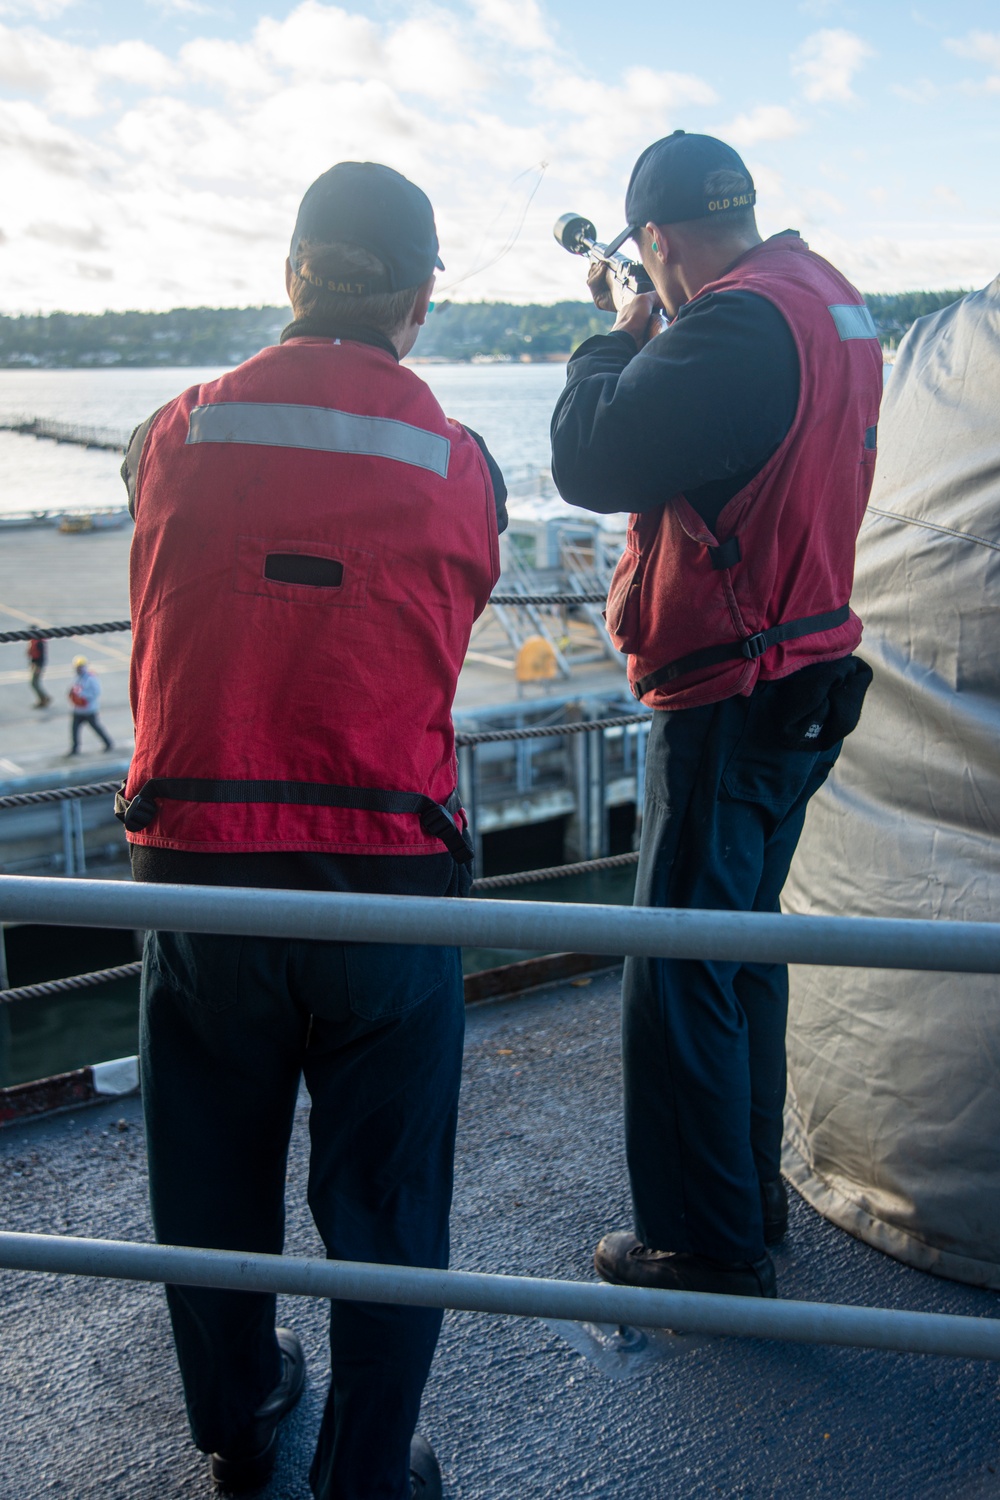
{"type": "Point", "coordinates": [967, 947]}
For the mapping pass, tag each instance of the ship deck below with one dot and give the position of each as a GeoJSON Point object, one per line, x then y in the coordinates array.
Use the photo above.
{"type": "Point", "coordinates": [90, 1400]}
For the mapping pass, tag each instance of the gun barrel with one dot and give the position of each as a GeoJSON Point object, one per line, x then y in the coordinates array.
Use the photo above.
{"type": "Point", "coordinates": [575, 233]}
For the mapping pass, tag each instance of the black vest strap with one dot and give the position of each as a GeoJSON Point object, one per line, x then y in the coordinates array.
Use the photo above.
{"type": "Point", "coordinates": [726, 555]}
{"type": "Point", "coordinates": [750, 648]}
{"type": "Point", "coordinates": [139, 811]}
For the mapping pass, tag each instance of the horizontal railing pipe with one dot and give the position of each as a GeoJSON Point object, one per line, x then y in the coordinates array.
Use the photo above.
{"type": "Point", "coordinates": [517, 1296]}
{"type": "Point", "coordinates": [546, 926]}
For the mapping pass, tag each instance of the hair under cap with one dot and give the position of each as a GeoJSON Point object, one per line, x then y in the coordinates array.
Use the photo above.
{"type": "Point", "coordinates": [667, 185]}
{"type": "Point", "coordinates": [365, 204]}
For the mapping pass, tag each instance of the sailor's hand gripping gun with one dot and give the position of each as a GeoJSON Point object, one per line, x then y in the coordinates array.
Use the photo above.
{"type": "Point", "coordinates": [625, 278]}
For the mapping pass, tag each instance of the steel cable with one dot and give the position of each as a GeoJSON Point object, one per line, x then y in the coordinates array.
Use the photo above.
{"type": "Point", "coordinates": [548, 731]}
{"type": "Point", "coordinates": [512, 599]}
{"type": "Point", "coordinates": [57, 632]}
{"type": "Point", "coordinates": [555, 872]}
{"type": "Point", "coordinates": [66, 986]}
{"type": "Point", "coordinates": [110, 627]}
{"type": "Point", "coordinates": [477, 737]}
{"type": "Point", "coordinates": [59, 794]}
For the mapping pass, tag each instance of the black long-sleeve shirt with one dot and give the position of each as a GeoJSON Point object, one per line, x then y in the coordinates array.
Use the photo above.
{"type": "Point", "coordinates": [697, 412]}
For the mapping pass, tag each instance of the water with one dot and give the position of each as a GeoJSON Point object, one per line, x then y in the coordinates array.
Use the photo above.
{"type": "Point", "coordinates": [510, 405]}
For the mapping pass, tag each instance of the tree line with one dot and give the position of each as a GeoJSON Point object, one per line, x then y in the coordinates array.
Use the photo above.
{"type": "Point", "coordinates": [454, 331]}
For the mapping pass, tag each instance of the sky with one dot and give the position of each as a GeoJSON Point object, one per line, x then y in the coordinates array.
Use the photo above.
{"type": "Point", "coordinates": [152, 154]}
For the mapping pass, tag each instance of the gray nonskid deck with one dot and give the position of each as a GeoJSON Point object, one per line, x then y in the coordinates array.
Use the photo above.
{"type": "Point", "coordinates": [90, 1400]}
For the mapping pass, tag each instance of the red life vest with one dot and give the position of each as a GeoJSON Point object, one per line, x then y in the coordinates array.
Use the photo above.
{"type": "Point", "coordinates": [704, 615]}
{"type": "Point", "coordinates": [313, 541]}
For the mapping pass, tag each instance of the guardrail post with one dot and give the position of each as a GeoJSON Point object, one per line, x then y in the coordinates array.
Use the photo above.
{"type": "Point", "coordinates": [69, 862]}
{"type": "Point", "coordinates": [641, 738]}
{"type": "Point", "coordinates": [76, 815]}
{"type": "Point", "coordinates": [468, 784]}
{"type": "Point", "coordinates": [597, 820]}
{"type": "Point", "coordinates": [5, 1021]}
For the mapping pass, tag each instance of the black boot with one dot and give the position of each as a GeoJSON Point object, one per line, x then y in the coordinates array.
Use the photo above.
{"type": "Point", "coordinates": [624, 1260]}
{"type": "Point", "coordinates": [774, 1203]}
{"type": "Point", "coordinates": [246, 1469]}
{"type": "Point", "coordinates": [425, 1475]}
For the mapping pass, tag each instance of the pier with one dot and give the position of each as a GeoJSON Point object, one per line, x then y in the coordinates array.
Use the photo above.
{"type": "Point", "coordinates": [103, 438]}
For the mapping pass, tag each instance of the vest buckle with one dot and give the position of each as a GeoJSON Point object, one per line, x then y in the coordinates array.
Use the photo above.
{"type": "Point", "coordinates": [135, 812]}
{"type": "Point", "coordinates": [754, 645]}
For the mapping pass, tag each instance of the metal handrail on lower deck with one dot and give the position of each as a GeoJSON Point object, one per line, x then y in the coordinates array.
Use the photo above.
{"type": "Point", "coordinates": [949, 1334]}
{"type": "Point", "coordinates": [762, 937]}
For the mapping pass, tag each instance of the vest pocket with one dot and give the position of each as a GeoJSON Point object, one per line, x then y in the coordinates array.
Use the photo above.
{"type": "Point", "coordinates": [622, 611]}
{"type": "Point", "coordinates": [762, 770]}
{"type": "Point", "coordinates": [385, 980]}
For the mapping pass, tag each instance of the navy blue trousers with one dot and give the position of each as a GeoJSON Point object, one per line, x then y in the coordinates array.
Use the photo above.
{"type": "Point", "coordinates": [229, 1025]}
{"type": "Point", "coordinates": [704, 1042]}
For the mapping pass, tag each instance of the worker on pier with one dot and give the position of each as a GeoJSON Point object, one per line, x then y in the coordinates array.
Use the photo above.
{"type": "Point", "coordinates": [38, 659]}
{"type": "Point", "coordinates": [84, 700]}
{"type": "Point", "coordinates": [741, 436]}
{"type": "Point", "coordinates": [313, 542]}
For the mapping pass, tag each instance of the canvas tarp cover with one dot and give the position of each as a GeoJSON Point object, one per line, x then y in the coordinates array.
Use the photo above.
{"type": "Point", "coordinates": [893, 1116]}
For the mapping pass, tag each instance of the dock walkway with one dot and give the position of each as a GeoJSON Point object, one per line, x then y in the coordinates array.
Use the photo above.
{"type": "Point", "coordinates": [90, 1402]}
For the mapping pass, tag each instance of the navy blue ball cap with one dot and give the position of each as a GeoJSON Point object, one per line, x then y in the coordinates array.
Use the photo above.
{"type": "Point", "coordinates": [365, 204]}
{"type": "Point", "coordinates": [668, 182]}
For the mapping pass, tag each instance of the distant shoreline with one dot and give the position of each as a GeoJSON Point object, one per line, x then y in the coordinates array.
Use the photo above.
{"type": "Point", "coordinates": [457, 333]}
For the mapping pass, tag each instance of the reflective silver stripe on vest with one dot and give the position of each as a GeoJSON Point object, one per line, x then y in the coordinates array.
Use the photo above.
{"type": "Point", "coordinates": [853, 321]}
{"type": "Point", "coordinates": [321, 428]}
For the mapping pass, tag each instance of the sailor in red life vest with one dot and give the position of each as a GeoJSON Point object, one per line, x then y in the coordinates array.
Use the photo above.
{"type": "Point", "coordinates": [313, 542]}
{"type": "Point", "coordinates": [742, 439]}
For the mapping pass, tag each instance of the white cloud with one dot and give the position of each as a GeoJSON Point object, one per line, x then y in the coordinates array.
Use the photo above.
{"type": "Point", "coordinates": [518, 22]}
{"type": "Point", "coordinates": [644, 106]}
{"type": "Point", "coordinates": [194, 164]}
{"type": "Point", "coordinates": [981, 47]}
{"type": "Point", "coordinates": [180, 7]}
{"type": "Point", "coordinates": [766, 122]}
{"type": "Point", "coordinates": [320, 41]}
{"type": "Point", "coordinates": [137, 179]}
{"type": "Point", "coordinates": [39, 10]}
{"type": "Point", "coordinates": [82, 237]}
{"type": "Point", "coordinates": [73, 80]}
{"type": "Point", "coordinates": [922, 91]}
{"type": "Point", "coordinates": [234, 67]}
{"type": "Point", "coordinates": [31, 141]}
{"type": "Point", "coordinates": [828, 61]}
{"type": "Point", "coordinates": [884, 264]}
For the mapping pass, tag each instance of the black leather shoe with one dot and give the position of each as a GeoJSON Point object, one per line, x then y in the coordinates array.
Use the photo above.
{"type": "Point", "coordinates": [774, 1203]}
{"type": "Point", "coordinates": [425, 1476]}
{"type": "Point", "coordinates": [248, 1468]}
{"type": "Point", "coordinates": [623, 1259]}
